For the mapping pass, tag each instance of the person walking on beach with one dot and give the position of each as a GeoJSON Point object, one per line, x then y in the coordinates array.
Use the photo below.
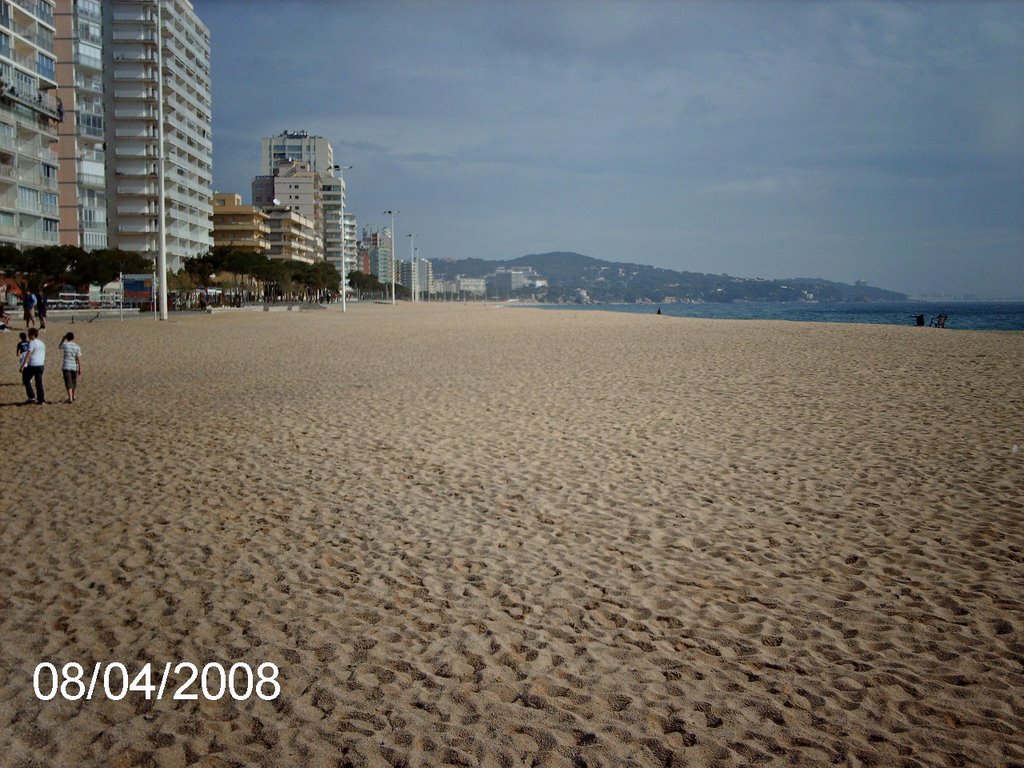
{"type": "Point", "coordinates": [41, 307]}
{"type": "Point", "coordinates": [32, 367]}
{"type": "Point", "coordinates": [72, 366]}
{"type": "Point", "coordinates": [29, 306]}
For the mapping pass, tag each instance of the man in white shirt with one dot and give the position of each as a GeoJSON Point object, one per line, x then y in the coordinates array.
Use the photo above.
{"type": "Point", "coordinates": [32, 367]}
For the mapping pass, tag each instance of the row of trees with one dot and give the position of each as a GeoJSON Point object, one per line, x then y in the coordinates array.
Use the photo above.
{"type": "Point", "coordinates": [259, 277]}
{"type": "Point", "coordinates": [242, 273]}
{"type": "Point", "coordinates": [47, 268]}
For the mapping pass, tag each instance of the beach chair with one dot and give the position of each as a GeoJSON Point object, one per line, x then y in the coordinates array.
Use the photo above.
{"type": "Point", "coordinates": [939, 321]}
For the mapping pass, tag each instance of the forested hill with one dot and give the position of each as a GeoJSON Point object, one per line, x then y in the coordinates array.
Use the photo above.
{"type": "Point", "coordinates": [606, 281]}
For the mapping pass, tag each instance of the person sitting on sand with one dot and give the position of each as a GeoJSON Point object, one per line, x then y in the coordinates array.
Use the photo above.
{"type": "Point", "coordinates": [5, 322]}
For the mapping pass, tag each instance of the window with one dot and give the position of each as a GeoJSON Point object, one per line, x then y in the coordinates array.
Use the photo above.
{"type": "Point", "coordinates": [50, 225]}
{"type": "Point", "coordinates": [45, 66]}
{"type": "Point", "coordinates": [90, 125]}
{"type": "Point", "coordinates": [28, 199]}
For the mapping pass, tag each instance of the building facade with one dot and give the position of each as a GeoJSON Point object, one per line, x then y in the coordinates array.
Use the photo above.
{"type": "Point", "coordinates": [295, 184]}
{"type": "Point", "coordinates": [333, 224]}
{"type": "Point", "coordinates": [138, 37]}
{"type": "Point", "coordinates": [237, 226]}
{"type": "Point", "coordinates": [30, 113]}
{"type": "Point", "coordinates": [297, 145]}
{"type": "Point", "coordinates": [377, 243]}
{"type": "Point", "coordinates": [291, 235]}
{"type": "Point", "coordinates": [82, 184]}
{"type": "Point", "coordinates": [300, 147]}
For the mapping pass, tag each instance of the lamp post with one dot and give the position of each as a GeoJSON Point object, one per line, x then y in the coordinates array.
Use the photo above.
{"type": "Point", "coordinates": [161, 194]}
{"type": "Point", "coordinates": [344, 256]}
{"type": "Point", "coordinates": [393, 262]}
{"type": "Point", "coordinates": [412, 266]}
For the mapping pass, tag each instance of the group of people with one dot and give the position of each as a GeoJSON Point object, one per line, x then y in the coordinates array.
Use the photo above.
{"type": "Point", "coordinates": [35, 307]}
{"type": "Point", "coordinates": [32, 362]}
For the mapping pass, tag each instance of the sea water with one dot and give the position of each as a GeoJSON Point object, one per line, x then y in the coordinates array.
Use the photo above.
{"type": "Point", "coordinates": [978, 316]}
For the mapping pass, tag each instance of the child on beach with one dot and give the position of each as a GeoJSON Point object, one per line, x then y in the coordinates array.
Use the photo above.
{"type": "Point", "coordinates": [72, 367]}
{"type": "Point", "coordinates": [22, 347]}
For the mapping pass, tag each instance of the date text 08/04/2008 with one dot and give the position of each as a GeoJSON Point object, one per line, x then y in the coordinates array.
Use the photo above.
{"type": "Point", "coordinates": [113, 681]}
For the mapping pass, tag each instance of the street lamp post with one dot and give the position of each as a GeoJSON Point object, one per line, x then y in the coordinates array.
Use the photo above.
{"type": "Point", "coordinates": [412, 266]}
{"type": "Point", "coordinates": [393, 262]}
{"type": "Point", "coordinates": [344, 257]}
{"type": "Point", "coordinates": [161, 194]}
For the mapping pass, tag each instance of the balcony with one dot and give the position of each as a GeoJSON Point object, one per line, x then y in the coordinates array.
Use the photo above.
{"type": "Point", "coordinates": [37, 100]}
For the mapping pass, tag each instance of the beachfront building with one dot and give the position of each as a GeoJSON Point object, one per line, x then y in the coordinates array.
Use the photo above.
{"type": "Point", "coordinates": [505, 283]}
{"type": "Point", "coordinates": [137, 95]}
{"type": "Point", "coordinates": [316, 151]}
{"type": "Point", "coordinates": [291, 236]}
{"type": "Point", "coordinates": [30, 113]}
{"type": "Point", "coordinates": [237, 226]}
{"type": "Point", "coordinates": [294, 184]}
{"type": "Point", "coordinates": [407, 275]}
{"type": "Point", "coordinates": [377, 243]}
{"type": "Point", "coordinates": [333, 225]}
{"type": "Point", "coordinates": [351, 240]}
{"type": "Point", "coordinates": [471, 287]}
{"type": "Point", "coordinates": [425, 275]}
{"type": "Point", "coordinates": [81, 180]}
{"type": "Point", "coordinates": [297, 145]}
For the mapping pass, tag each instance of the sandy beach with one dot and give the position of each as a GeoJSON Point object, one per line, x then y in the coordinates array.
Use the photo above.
{"type": "Point", "coordinates": [481, 536]}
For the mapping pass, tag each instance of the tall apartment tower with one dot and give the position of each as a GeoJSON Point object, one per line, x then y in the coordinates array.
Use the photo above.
{"type": "Point", "coordinates": [137, 34]}
{"type": "Point", "coordinates": [81, 176]}
{"type": "Point", "coordinates": [299, 146]}
{"type": "Point", "coordinates": [29, 115]}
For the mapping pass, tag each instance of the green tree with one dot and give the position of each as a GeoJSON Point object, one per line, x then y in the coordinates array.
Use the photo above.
{"type": "Point", "coordinates": [105, 265]}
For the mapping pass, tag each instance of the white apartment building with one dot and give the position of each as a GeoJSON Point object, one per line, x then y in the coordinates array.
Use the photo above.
{"type": "Point", "coordinates": [29, 115]}
{"type": "Point", "coordinates": [334, 226]}
{"type": "Point", "coordinates": [297, 145]}
{"type": "Point", "coordinates": [81, 175]}
{"type": "Point", "coordinates": [137, 34]}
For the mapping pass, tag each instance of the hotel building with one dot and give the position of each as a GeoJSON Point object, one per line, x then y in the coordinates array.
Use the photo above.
{"type": "Point", "coordinates": [137, 36]}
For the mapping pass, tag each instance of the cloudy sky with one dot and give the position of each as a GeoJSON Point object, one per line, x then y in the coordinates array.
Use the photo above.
{"type": "Point", "coordinates": [852, 141]}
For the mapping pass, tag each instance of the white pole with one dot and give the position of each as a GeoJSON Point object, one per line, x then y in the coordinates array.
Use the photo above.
{"type": "Point", "coordinates": [393, 262]}
{"type": "Point", "coordinates": [344, 253]}
{"type": "Point", "coordinates": [122, 297]}
{"type": "Point", "coordinates": [162, 225]}
{"type": "Point", "coordinates": [412, 265]}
